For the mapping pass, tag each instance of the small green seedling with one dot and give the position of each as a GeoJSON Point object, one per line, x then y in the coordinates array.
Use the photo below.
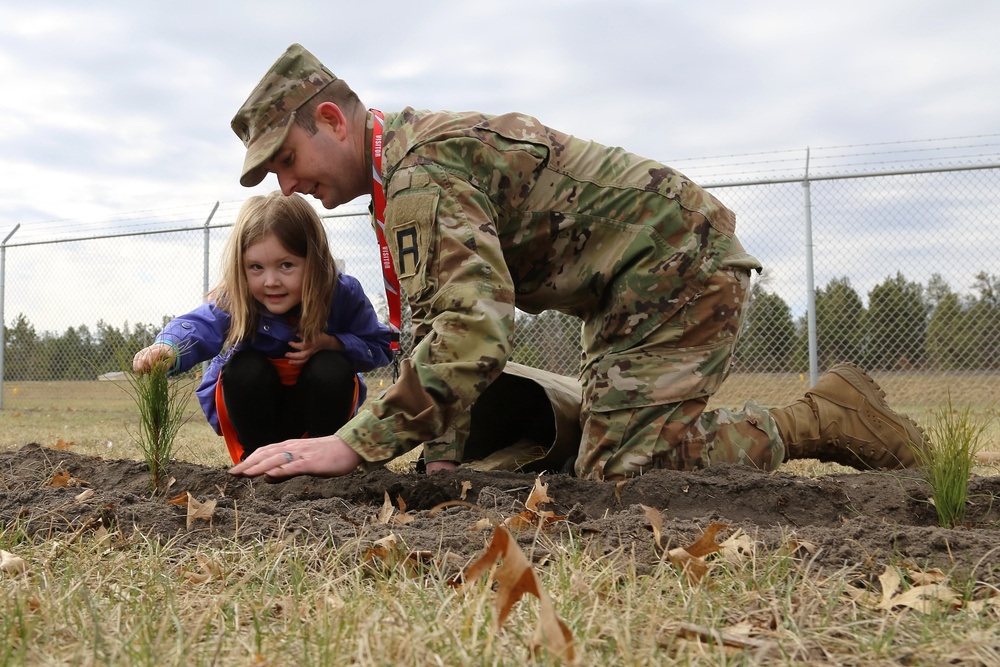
{"type": "Point", "coordinates": [161, 402]}
{"type": "Point", "coordinates": [956, 436]}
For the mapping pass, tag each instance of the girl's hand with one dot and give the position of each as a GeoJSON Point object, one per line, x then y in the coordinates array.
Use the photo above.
{"type": "Point", "coordinates": [147, 357]}
{"type": "Point", "coordinates": [305, 350]}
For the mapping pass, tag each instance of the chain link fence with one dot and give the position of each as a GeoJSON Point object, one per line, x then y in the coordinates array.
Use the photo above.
{"type": "Point", "coordinates": [902, 281]}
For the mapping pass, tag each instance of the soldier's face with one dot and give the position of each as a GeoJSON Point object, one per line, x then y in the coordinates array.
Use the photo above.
{"type": "Point", "coordinates": [317, 165]}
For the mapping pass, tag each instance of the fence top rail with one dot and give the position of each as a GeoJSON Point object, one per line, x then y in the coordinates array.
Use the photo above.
{"type": "Point", "coordinates": [808, 178]}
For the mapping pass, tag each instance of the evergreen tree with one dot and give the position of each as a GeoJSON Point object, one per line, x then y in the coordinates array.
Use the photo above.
{"type": "Point", "coordinates": [21, 350]}
{"type": "Point", "coordinates": [768, 337]}
{"type": "Point", "coordinates": [897, 324]}
{"type": "Point", "coordinates": [840, 321]}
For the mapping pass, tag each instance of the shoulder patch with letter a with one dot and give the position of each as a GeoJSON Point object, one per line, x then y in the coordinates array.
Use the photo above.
{"type": "Point", "coordinates": [410, 216]}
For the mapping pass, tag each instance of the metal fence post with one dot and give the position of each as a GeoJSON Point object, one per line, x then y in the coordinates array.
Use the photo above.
{"type": "Point", "coordinates": [204, 291]}
{"type": "Point", "coordinates": [810, 287]}
{"type": "Point", "coordinates": [207, 238]}
{"type": "Point", "coordinates": [3, 322]}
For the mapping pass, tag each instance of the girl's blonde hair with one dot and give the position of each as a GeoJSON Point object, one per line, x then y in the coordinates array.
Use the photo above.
{"type": "Point", "coordinates": [297, 227]}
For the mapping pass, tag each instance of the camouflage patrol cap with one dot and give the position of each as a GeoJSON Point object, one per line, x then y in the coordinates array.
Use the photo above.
{"type": "Point", "coordinates": [262, 123]}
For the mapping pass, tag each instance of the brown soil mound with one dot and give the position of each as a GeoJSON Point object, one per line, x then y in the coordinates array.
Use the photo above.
{"type": "Point", "coordinates": [865, 520]}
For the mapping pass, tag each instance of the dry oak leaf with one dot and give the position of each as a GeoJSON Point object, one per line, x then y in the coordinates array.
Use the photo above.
{"type": "Point", "coordinates": [656, 523]}
{"type": "Point", "coordinates": [63, 480]}
{"type": "Point", "coordinates": [532, 516]}
{"type": "Point", "coordinates": [920, 598]}
{"type": "Point", "coordinates": [195, 509]}
{"type": "Point", "coordinates": [690, 559]}
{"type": "Point", "coordinates": [11, 564]}
{"type": "Point", "coordinates": [63, 445]}
{"type": "Point", "coordinates": [387, 512]}
{"type": "Point", "coordinates": [514, 578]}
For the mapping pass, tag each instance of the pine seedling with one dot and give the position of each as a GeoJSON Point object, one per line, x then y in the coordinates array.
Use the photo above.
{"type": "Point", "coordinates": [161, 402]}
{"type": "Point", "coordinates": [956, 436]}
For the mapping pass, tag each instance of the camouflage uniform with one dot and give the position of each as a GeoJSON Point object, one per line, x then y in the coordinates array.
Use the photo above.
{"type": "Point", "coordinates": [488, 212]}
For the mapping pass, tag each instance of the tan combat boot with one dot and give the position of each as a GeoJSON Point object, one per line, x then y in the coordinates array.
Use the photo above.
{"type": "Point", "coordinates": [844, 419]}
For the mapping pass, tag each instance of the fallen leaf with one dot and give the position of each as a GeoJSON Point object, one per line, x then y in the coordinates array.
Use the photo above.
{"type": "Point", "coordinates": [890, 581]}
{"type": "Point", "coordinates": [539, 494]}
{"type": "Point", "coordinates": [515, 577]}
{"type": "Point", "coordinates": [737, 547]}
{"type": "Point", "coordinates": [63, 445]}
{"type": "Point", "coordinates": [197, 510]}
{"type": "Point", "coordinates": [481, 524]}
{"type": "Point", "coordinates": [210, 570]}
{"type": "Point", "coordinates": [180, 499]}
{"type": "Point", "coordinates": [83, 495]}
{"type": "Point", "coordinates": [690, 559]}
{"type": "Point", "coordinates": [466, 487]}
{"type": "Point", "coordinates": [11, 564]}
{"type": "Point", "coordinates": [921, 598]}
{"type": "Point", "coordinates": [706, 543]}
{"type": "Point", "coordinates": [532, 516]}
{"type": "Point", "coordinates": [933, 575]}
{"type": "Point", "coordinates": [387, 512]}
{"type": "Point", "coordinates": [63, 480]}
{"type": "Point", "coordinates": [656, 523]}
{"type": "Point", "coordinates": [382, 549]}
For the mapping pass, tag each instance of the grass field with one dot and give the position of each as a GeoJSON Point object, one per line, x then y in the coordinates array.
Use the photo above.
{"type": "Point", "coordinates": [94, 414]}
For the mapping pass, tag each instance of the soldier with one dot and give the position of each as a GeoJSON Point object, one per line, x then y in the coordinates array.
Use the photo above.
{"type": "Point", "coordinates": [484, 213]}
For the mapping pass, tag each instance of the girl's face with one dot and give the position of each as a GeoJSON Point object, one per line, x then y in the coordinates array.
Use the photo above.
{"type": "Point", "coordinates": [274, 275]}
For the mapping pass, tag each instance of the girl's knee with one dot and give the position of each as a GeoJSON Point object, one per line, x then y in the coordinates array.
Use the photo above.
{"type": "Point", "coordinates": [247, 367]}
{"type": "Point", "coordinates": [326, 368]}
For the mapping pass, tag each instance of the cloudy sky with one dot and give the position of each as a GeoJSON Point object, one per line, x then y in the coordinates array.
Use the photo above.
{"type": "Point", "coordinates": [111, 108]}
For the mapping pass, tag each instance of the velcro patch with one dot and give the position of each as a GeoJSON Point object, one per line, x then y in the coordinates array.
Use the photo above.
{"type": "Point", "coordinates": [409, 220]}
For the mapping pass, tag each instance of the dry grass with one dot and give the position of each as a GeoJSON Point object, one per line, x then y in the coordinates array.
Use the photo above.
{"type": "Point", "coordinates": [112, 601]}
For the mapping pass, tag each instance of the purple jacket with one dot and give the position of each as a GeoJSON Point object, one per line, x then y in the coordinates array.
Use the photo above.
{"type": "Point", "coordinates": [199, 336]}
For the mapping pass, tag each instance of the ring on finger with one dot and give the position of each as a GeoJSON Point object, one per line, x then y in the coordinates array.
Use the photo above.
{"type": "Point", "coordinates": [288, 457]}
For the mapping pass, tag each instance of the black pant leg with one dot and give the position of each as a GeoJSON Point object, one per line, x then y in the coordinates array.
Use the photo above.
{"type": "Point", "coordinates": [254, 399]}
{"type": "Point", "coordinates": [326, 392]}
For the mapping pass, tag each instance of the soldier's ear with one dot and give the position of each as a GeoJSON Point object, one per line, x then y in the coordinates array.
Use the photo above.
{"type": "Point", "coordinates": [331, 115]}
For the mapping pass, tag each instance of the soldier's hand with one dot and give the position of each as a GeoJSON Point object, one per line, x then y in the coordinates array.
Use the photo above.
{"type": "Point", "coordinates": [328, 456]}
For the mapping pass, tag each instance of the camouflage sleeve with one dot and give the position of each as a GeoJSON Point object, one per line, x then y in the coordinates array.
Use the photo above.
{"type": "Point", "coordinates": [451, 445]}
{"type": "Point", "coordinates": [442, 235]}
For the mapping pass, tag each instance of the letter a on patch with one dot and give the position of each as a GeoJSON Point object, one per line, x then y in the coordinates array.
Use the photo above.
{"type": "Point", "coordinates": [407, 250]}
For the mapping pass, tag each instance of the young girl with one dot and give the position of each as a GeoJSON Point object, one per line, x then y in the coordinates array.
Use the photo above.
{"type": "Point", "coordinates": [289, 333]}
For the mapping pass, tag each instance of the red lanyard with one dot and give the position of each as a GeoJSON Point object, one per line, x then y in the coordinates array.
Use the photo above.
{"type": "Point", "coordinates": [388, 272]}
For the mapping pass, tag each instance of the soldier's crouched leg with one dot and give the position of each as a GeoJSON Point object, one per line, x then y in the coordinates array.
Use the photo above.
{"type": "Point", "coordinates": [680, 436]}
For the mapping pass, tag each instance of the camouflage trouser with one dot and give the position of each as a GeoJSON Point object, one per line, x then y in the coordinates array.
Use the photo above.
{"type": "Point", "coordinates": [629, 423]}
